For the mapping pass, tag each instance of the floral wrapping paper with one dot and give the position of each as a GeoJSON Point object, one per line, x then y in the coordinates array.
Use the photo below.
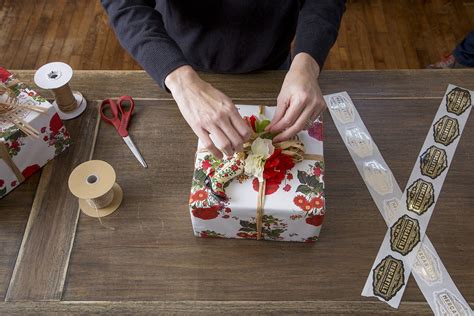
{"type": "Point", "coordinates": [28, 153]}
{"type": "Point", "coordinates": [293, 210]}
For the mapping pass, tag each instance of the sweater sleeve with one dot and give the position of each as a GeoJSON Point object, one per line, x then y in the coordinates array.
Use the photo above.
{"type": "Point", "coordinates": [141, 31]}
{"type": "Point", "coordinates": [318, 26]}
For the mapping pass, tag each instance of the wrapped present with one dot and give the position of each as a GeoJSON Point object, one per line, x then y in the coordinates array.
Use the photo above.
{"type": "Point", "coordinates": [270, 191]}
{"type": "Point", "coordinates": [31, 132]}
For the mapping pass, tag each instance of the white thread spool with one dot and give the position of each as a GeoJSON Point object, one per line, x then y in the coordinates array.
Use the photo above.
{"type": "Point", "coordinates": [55, 76]}
{"type": "Point", "coordinates": [93, 182]}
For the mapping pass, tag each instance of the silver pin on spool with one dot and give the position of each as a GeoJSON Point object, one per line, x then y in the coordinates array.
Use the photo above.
{"type": "Point", "coordinates": [55, 76]}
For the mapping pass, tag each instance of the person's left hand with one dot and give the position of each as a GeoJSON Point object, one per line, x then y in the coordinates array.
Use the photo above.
{"type": "Point", "coordinates": [300, 100]}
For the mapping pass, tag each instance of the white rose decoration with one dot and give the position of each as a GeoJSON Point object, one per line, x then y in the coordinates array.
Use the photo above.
{"type": "Point", "coordinates": [261, 150]}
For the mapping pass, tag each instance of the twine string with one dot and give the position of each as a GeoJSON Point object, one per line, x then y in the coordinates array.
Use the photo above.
{"type": "Point", "coordinates": [101, 202]}
{"type": "Point", "coordinates": [65, 99]}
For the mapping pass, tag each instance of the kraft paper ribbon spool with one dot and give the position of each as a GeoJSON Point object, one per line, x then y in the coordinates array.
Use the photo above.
{"type": "Point", "coordinates": [93, 182]}
{"type": "Point", "coordinates": [56, 76]}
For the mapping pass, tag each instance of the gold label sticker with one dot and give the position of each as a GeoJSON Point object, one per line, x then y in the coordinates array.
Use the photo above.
{"type": "Point", "coordinates": [420, 196]}
{"type": "Point", "coordinates": [433, 162]}
{"type": "Point", "coordinates": [427, 266]}
{"type": "Point", "coordinates": [342, 108]}
{"type": "Point", "coordinates": [458, 100]}
{"type": "Point", "coordinates": [404, 235]}
{"type": "Point", "coordinates": [446, 130]}
{"type": "Point", "coordinates": [448, 304]}
{"type": "Point", "coordinates": [388, 278]}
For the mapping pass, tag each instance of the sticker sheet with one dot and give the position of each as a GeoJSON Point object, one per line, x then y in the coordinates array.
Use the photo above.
{"type": "Point", "coordinates": [389, 275]}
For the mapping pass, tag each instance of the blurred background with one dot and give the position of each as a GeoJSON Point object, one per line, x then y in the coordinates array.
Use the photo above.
{"type": "Point", "coordinates": [375, 34]}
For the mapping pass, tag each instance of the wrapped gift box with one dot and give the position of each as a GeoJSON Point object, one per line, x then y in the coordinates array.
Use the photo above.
{"type": "Point", "coordinates": [21, 155]}
{"type": "Point", "coordinates": [293, 209]}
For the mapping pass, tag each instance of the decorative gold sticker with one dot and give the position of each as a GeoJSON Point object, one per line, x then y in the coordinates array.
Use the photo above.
{"type": "Point", "coordinates": [388, 278]}
{"type": "Point", "coordinates": [404, 235]}
{"type": "Point", "coordinates": [458, 100]}
{"type": "Point", "coordinates": [448, 304]}
{"type": "Point", "coordinates": [433, 162]}
{"type": "Point", "coordinates": [420, 196]}
{"type": "Point", "coordinates": [342, 108]}
{"type": "Point", "coordinates": [427, 266]}
{"type": "Point", "coordinates": [446, 130]}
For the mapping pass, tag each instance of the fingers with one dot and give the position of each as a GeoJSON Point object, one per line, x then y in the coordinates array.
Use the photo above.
{"type": "Point", "coordinates": [299, 125]}
{"type": "Point", "coordinates": [281, 108]}
{"type": "Point", "coordinates": [232, 135]}
{"type": "Point", "coordinates": [207, 143]}
{"type": "Point", "coordinates": [240, 126]}
{"type": "Point", "coordinates": [294, 110]}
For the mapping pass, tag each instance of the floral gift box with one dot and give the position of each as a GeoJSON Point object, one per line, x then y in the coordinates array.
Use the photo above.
{"type": "Point", "coordinates": [269, 191]}
{"type": "Point", "coordinates": [31, 132]}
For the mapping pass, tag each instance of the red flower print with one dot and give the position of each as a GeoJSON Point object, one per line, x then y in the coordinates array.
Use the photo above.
{"type": "Point", "coordinates": [317, 202]}
{"type": "Point", "coordinates": [15, 145]}
{"type": "Point", "coordinates": [204, 234]}
{"type": "Point", "coordinates": [28, 171]}
{"type": "Point", "coordinates": [243, 235]}
{"type": "Point", "coordinates": [225, 216]}
{"type": "Point", "coordinates": [206, 213]}
{"type": "Point", "coordinates": [287, 188]}
{"type": "Point", "coordinates": [199, 195]}
{"type": "Point", "coordinates": [316, 130]}
{"type": "Point", "coordinates": [31, 93]}
{"type": "Point", "coordinates": [2, 182]}
{"type": "Point", "coordinates": [317, 171]}
{"type": "Point", "coordinates": [4, 74]}
{"type": "Point", "coordinates": [45, 138]}
{"type": "Point", "coordinates": [55, 124]}
{"type": "Point", "coordinates": [43, 129]}
{"type": "Point", "coordinates": [270, 187]}
{"type": "Point", "coordinates": [13, 183]}
{"type": "Point", "coordinates": [206, 164]}
{"type": "Point", "coordinates": [306, 207]}
{"type": "Point", "coordinates": [315, 220]}
{"type": "Point", "coordinates": [289, 176]}
{"type": "Point", "coordinates": [234, 167]}
{"type": "Point", "coordinates": [228, 210]}
{"type": "Point", "coordinates": [300, 201]}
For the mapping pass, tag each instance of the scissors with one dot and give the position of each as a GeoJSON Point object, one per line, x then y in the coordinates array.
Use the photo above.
{"type": "Point", "coordinates": [120, 119]}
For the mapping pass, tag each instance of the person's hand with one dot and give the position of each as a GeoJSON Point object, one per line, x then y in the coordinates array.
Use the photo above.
{"type": "Point", "coordinates": [209, 112]}
{"type": "Point", "coordinates": [300, 100]}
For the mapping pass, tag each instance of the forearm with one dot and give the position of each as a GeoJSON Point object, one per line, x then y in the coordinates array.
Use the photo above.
{"type": "Point", "coordinates": [140, 30]}
{"type": "Point", "coordinates": [318, 26]}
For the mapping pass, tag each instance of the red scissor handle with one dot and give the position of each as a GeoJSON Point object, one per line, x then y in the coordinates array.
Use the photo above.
{"type": "Point", "coordinates": [120, 115]}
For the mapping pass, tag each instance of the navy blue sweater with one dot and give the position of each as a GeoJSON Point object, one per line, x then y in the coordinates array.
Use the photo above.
{"type": "Point", "coordinates": [224, 36]}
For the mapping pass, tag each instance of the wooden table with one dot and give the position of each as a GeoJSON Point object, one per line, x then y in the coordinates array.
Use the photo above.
{"type": "Point", "coordinates": [53, 258]}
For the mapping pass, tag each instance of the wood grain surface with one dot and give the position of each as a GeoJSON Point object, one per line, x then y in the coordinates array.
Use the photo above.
{"type": "Point", "coordinates": [152, 255]}
{"type": "Point", "coordinates": [264, 86]}
{"type": "Point", "coordinates": [374, 34]}
{"type": "Point", "coordinates": [43, 257]}
{"type": "Point", "coordinates": [210, 308]}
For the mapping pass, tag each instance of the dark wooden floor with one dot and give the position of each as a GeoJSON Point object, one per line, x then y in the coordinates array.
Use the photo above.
{"type": "Point", "coordinates": [375, 34]}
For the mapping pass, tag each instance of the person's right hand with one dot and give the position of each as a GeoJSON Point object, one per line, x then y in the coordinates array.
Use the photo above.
{"type": "Point", "coordinates": [209, 112]}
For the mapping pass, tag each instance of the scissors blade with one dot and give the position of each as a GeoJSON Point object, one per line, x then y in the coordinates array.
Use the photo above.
{"type": "Point", "coordinates": [134, 150]}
